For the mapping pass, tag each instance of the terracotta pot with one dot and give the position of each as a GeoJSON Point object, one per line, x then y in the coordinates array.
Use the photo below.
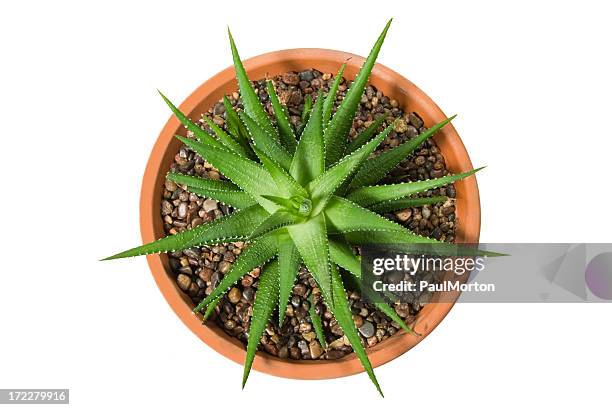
{"type": "Point", "coordinates": [392, 85]}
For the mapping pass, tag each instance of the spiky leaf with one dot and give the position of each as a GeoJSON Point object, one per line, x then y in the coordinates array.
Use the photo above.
{"type": "Point", "coordinates": [307, 108]}
{"type": "Point", "coordinates": [375, 169]}
{"type": "Point", "coordinates": [289, 265]}
{"type": "Point", "coordinates": [309, 159]}
{"type": "Point", "coordinates": [199, 133]}
{"type": "Point", "coordinates": [337, 131]}
{"type": "Point", "coordinates": [211, 308]}
{"type": "Point", "coordinates": [224, 191]}
{"type": "Point", "coordinates": [265, 301]}
{"type": "Point", "coordinates": [390, 312]}
{"type": "Point", "coordinates": [310, 238]}
{"type": "Point", "coordinates": [392, 237]}
{"type": "Point", "coordinates": [226, 139]}
{"type": "Point", "coordinates": [247, 174]}
{"type": "Point", "coordinates": [283, 180]}
{"type": "Point", "coordinates": [287, 135]}
{"type": "Point", "coordinates": [324, 186]}
{"type": "Point", "coordinates": [250, 100]}
{"type": "Point", "coordinates": [370, 195]}
{"type": "Point", "coordinates": [384, 134]}
{"type": "Point", "coordinates": [236, 127]}
{"type": "Point", "coordinates": [238, 225]}
{"type": "Point", "coordinates": [256, 253]}
{"type": "Point", "coordinates": [342, 254]}
{"type": "Point", "coordinates": [316, 323]}
{"type": "Point", "coordinates": [403, 203]}
{"type": "Point", "coordinates": [368, 237]}
{"type": "Point", "coordinates": [277, 220]}
{"type": "Point", "coordinates": [266, 142]}
{"type": "Point", "coordinates": [342, 313]}
{"type": "Point", "coordinates": [343, 217]}
{"type": "Point", "coordinates": [328, 105]}
{"type": "Point", "coordinates": [283, 202]}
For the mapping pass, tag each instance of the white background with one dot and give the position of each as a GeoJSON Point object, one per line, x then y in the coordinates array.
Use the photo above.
{"type": "Point", "coordinates": [529, 80]}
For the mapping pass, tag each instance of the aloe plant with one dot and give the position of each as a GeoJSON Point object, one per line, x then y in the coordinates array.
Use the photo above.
{"type": "Point", "coordinates": [300, 197]}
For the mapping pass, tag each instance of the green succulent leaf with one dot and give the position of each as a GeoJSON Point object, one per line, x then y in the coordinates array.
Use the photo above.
{"type": "Point", "coordinates": [199, 133]}
{"type": "Point", "coordinates": [316, 323]}
{"type": "Point", "coordinates": [235, 226]}
{"type": "Point", "coordinates": [226, 139]}
{"type": "Point", "coordinates": [383, 237]}
{"type": "Point", "coordinates": [338, 129]}
{"type": "Point", "coordinates": [342, 254]}
{"type": "Point", "coordinates": [390, 312]}
{"type": "Point", "coordinates": [283, 180]}
{"type": "Point", "coordinates": [384, 134]}
{"type": "Point", "coordinates": [287, 136]}
{"type": "Point", "coordinates": [324, 186]}
{"type": "Point", "coordinates": [266, 142]}
{"type": "Point", "coordinates": [371, 195]}
{"type": "Point", "coordinates": [236, 127]}
{"type": "Point", "coordinates": [286, 203]}
{"type": "Point", "coordinates": [398, 237]}
{"type": "Point", "coordinates": [247, 174]}
{"type": "Point", "coordinates": [344, 217]}
{"type": "Point", "coordinates": [328, 105]}
{"type": "Point", "coordinates": [365, 135]}
{"type": "Point", "coordinates": [277, 220]}
{"type": "Point", "coordinates": [403, 203]}
{"type": "Point", "coordinates": [289, 265]}
{"type": "Point", "coordinates": [256, 254]}
{"type": "Point", "coordinates": [250, 100]}
{"type": "Point", "coordinates": [224, 191]}
{"type": "Point", "coordinates": [307, 108]}
{"type": "Point", "coordinates": [375, 169]}
{"type": "Point", "coordinates": [211, 308]}
{"type": "Point", "coordinates": [309, 159]}
{"type": "Point", "coordinates": [310, 238]}
{"type": "Point", "coordinates": [297, 205]}
{"type": "Point", "coordinates": [266, 299]}
{"type": "Point", "coordinates": [342, 313]}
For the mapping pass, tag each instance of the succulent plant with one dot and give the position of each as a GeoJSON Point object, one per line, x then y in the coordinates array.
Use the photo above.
{"type": "Point", "coordinates": [300, 196]}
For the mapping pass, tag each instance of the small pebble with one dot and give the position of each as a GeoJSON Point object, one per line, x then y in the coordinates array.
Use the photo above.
{"type": "Point", "coordinates": [367, 329]}
{"type": "Point", "coordinates": [234, 295]}
{"type": "Point", "coordinates": [404, 214]}
{"type": "Point", "coordinates": [210, 205]}
{"type": "Point", "coordinates": [315, 349]}
{"type": "Point", "coordinates": [400, 126]}
{"type": "Point", "coordinates": [183, 281]}
{"type": "Point", "coordinates": [291, 78]}
{"type": "Point", "coordinates": [224, 266]}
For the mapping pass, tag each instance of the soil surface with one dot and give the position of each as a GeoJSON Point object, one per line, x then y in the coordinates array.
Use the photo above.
{"type": "Point", "coordinates": [199, 270]}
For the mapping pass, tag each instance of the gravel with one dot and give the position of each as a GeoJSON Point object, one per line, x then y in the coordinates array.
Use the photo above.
{"type": "Point", "coordinates": [198, 270]}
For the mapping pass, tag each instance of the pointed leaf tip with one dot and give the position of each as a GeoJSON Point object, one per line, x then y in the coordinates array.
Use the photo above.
{"type": "Point", "coordinates": [250, 100]}
{"type": "Point", "coordinates": [266, 299]}
{"type": "Point", "coordinates": [339, 126]}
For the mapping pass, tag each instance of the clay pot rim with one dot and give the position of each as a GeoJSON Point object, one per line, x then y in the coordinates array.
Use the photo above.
{"type": "Point", "coordinates": [393, 85]}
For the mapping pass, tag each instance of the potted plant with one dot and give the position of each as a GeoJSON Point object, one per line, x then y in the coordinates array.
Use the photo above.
{"type": "Point", "coordinates": [300, 192]}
